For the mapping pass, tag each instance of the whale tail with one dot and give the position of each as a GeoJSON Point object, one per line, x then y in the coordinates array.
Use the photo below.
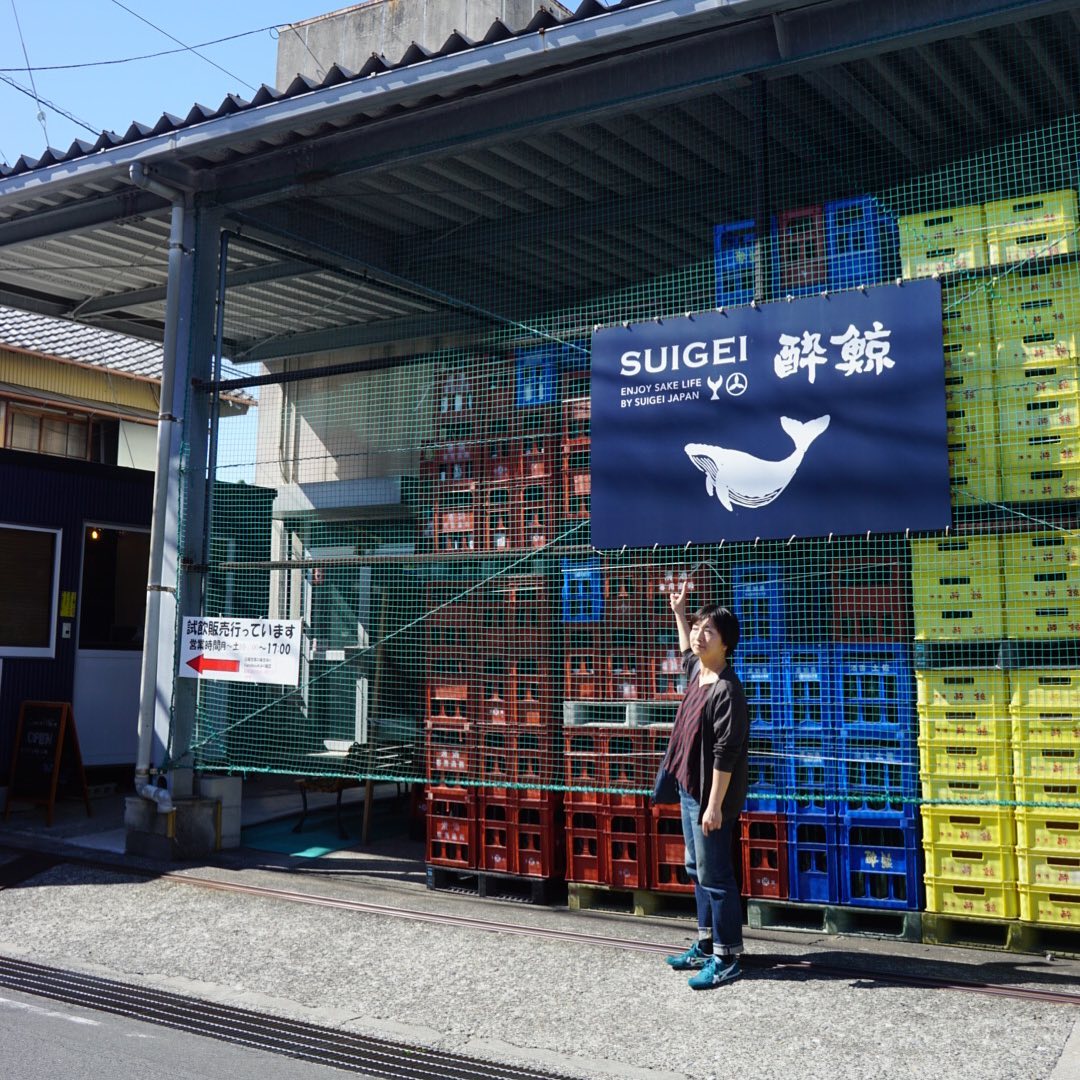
{"type": "Point", "coordinates": [804, 432]}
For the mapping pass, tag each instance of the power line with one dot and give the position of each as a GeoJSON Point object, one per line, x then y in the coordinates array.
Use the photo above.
{"type": "Point", "coordinates": [189, 48]}
{"type": "Point", "coordinates": [144, 56]}
{"type": "Point", "coordinates": [26, 57]}
{"type": "Point", "coordinates": [44, 102]}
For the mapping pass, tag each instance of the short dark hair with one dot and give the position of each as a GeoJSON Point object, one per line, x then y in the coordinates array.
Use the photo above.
{"type": "Point", "coordinates": [726, 623]}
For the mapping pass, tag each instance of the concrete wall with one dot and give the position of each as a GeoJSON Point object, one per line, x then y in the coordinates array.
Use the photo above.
{"type": "Point", "coordinates": [349, 37]}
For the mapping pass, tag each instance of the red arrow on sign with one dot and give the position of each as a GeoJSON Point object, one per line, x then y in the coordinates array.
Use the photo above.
{"type": "Point", "coordinates": [204, 663]}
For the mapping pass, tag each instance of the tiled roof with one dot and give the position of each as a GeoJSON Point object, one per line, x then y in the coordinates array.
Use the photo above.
{"type": "Point", "coordinates": [542, 21]}
{"type": "Point", "coordinates": [79, 343]}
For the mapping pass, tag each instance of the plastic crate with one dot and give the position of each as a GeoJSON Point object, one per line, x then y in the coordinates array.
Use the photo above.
{"type": "Point", "coordinates": [870, 600]}
{"type": "Point", "coordinates": [769, 763]}
{"type": "Point", "coordinates": [1030, 304]}
{"type": "Point", "coordinates": [957, 589]}
{"type": "Point", "coordinates": [541, 840]}
{"type": "Point", "coordinates": [810, 690]}
{"type": "Point", "coordinates": [449, 693]}
{"type": "Point", "coordinates": [584, 748]}
{"type": "Point", "coordinates": [942, 241]}
{"type": "Point", "coordinates": [982, 900]}
{"type": "Point", "coordinates": [964, 760]}
{"type": "Point", "coordinates": [799, 256]}
{"type": "Point", "coordinates": [1053, 906]}
{"type": "Point", "coordinates": [627, 674]}
{"type": "Point", "coordinates": [975, 387]}
{"type": "Point", "coordinates": [535, 447]}
{"type": "Point", "coordinates": [667, 852]}
{"type": "Point", "coordinates": [584, 848]}
{"type": "Point", "coordinates": [991, 791]}
{"type": "Point", "coordinates": [1054, 481]}
{"type": "Point", "coordinates": [501, 517]}
{"type": "Point", "coordinates": [1052, 344]}
{"type": "Point", "coordinates": [973, 470]}
{"type": "Point", "coordinates": [667, 681]}
{"type": "Point", "coordinates": [1055, 690]}
{"type": "Point", "coordinates": [498, 835]}
{"type": "Point", "coordinates": [496, 692]}
{"type": "Point", "coordinates": [968, 826]}
{"type": "Point", "coordinates": [582, 592]}
{"type": "Point", "coordinates": [1056, 762]}
{"type": "Point", "coordinates": [451, 829]}
{"type": "Point", "coordinates": [875, 693]}
{"type": "Point", "coordinates": [965, 726]}
{"type": "Point", "coordinates": [878, 775]}
{"type": "Point", "coordinates": [531, 694]}
{"type": "Point", "coordinates": [763, 845]}
{"type": "Point", "coordinates": [880, 862]}
{"type": "Point", "coordinates": [736, 257]}
{"type": "Point", "coordinates": [625, 601]}
{"type": "Point", "coordinates": [813, 858]}
{"type": "Point", "coordinates": [1041, 416]}
{"type": "Point", "coordinates": [536, 376]}
{"type": "Point", "coordinates": [576, 428]}
{"type": "Point", "coordinates": [971, 419]}
{"type": "Point", "coordinates": [1037, 382]}
{"type": "Point", "coordinates": [584, 673]}
{"type": "Point", "coordinates": [628, 764]}
{"type": "Point", "coordinates": [576, 485]}
{"type": "Point", "coordinates": [1046, 727]}
{"type": "Point", "coordinates": [981, 691]}
{"type": "Point", "coordinates": [450, 755]}
{"type": "Point", "coordinates": [766, 693]}
{"type": "Point", "coordinates": [981, 863]}
{"type": "Point", "coordinates": [1050, 831]}
{"type": "Point", "coordinates": [967, 327]}
{"type": "Point", "coordinates": [1057, 871]}
{"type": "Point", "coordinates": [624, 837]}
{"type": "Point", "coordinates": [1031, 227]}
{"type": "Point", "coordinates": [1042, 584]}
{"type": "Point", "coordinates": [812, 781]}
{"type": "Point", "coordinates": [1046, 794]}
{"type": "Point", "coordinates": [862, 243]}
{"type": "Point", "coordinates": [456, 405]}
{"type": "Point", "coordinates": [758, 594]}
{"type": "Point", "coordinates": [536, 514]}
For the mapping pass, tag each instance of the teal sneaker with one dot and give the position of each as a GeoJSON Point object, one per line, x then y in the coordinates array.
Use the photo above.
{"type": "Point", "coordinates": [718, 970]}
{"type": "Point", "coordinates": [691, 960]}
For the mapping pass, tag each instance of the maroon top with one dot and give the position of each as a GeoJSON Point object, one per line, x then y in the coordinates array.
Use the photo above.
{"type": "Point", "coordinates": [684, 755]}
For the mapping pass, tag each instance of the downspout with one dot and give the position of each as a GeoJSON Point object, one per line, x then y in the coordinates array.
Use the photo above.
{"type": "Point", "coordinates": [167, 422]}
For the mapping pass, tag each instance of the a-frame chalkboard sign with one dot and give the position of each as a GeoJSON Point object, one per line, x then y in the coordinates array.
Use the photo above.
{"type": "Point", "coordinates": [46, 760]}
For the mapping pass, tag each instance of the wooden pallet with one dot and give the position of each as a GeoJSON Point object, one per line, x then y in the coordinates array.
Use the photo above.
{"type": "Point", "coordinates": [642, 902]}
{"type": "Point", "coordinates": [1010, 935]}
{"type": "Point", "coordinates": [494, 886]}
{"type": "Point", "coordinates": [764, 914]}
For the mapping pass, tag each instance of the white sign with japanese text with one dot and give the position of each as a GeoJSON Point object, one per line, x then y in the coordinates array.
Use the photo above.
{"type": "Point", "coordinates": [241, 650]}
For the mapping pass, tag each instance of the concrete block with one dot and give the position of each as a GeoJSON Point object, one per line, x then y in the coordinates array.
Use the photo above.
{"type": "Point", "coordinates": [230, 838]}
{"type": "Point", "coordinates": [139, 814]}
{"type": "Point", "coordinates": [190, 831]}
{"type": "Point", "coordinates": [227, 789]}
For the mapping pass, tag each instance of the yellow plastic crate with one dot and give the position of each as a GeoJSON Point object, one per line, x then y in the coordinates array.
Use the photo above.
{"type": "Point", "coordinates": [974, 386]}
{"type": "Point", "coordinates": [1036, 382]}
{"type": "Point", "coordinates": [1045, 688]}
{"type": "Point", "coordinates": [967, 327]}
{"type": "Point", "coordinates": [1045, 871]}
{"type": "Point", "coordinates": [1051, 762]}
{"type": "Point", "coordinates": [1046, 726]}
{"type": "Point", "coordinates": [982, 791]}
{"type": "Point", "coordinates": [984, 691]}
{"type": "Point", "coordinates": [1042, 416]}
{"type": "Point", "coordinates": [968, 826]}
{"type": "Point", "coordinates": [956, 588]}
{"type": "Point", "coordinates": [1055, 480]}
{"type": "Point", "coordinates": [942, 241]}
{"type": "Point", "coordinates": [979, 900]}
{"type": "Point", "coordinates": [1053, 832]}
{"type": "Point", "coordinates": [971, 418]}
{"type": "Point", "coordinates": [950, 862]}
{"type": "Point", "coordinates": [1057, 907]}
{"type": "Point", "coordinates": [1042, 584]}
{"type": "Point", "coordinates": [949, 757]}
{"type": "Point", "coordinates": [1043, 346]}
{"type": "Point", "coordinates": [973, 471]}
{"type": "Point", "coordinates": [964, 726]}
{"type": "Point", "coordinates": [1047, 795]}
{"type": "Point", "coordinates": [1031, 227]}
{"type": "Point", "coordinates": [1024, 303]}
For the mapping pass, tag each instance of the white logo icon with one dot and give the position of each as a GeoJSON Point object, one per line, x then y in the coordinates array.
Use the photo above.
{"type": "Point", "coordinates": [736, 384]}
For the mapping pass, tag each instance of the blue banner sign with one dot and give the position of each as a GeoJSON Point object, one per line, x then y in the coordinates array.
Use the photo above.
{"type": "Point", "coordinates": [808, 417]}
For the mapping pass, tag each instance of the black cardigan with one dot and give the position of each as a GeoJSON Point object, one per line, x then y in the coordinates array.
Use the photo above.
{"type": "Point", "coordinates": [725, 740]}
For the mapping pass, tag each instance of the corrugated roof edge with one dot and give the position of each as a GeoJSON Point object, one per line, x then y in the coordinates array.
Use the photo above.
{"type": "Point", "coordinates": [544, 19]}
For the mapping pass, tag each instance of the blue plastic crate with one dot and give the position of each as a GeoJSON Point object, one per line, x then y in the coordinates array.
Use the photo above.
{"type": "Point", "coordinates": [763, 682]}
{"type": "Point", "coordinates": [582, 592]}
{"type": "Point", "coordinates": [536, 375]}
{"type": "Point", "coordinates": [813, 858]}
{"type": "Point", "coordinates": [862, 243]}
{"type": "Point", "coordinates": [875, 691]}
{"type": "Point", "coordinates": [758, 595]}
{"type": "Point", "coordinates": [735, 247]}
{"type": "Point", "coordinates": [810, 690]}
{"type": "Point", "coordinates": [575, 355]}
{"type": "Point", "coordinates": [878, 775]}
{"type": "Point", "coordinates": [769, 763]}
{"type": "Point", "coordinates": [811, 775]}
{"type": "Point", "coordinates": [881, 862]}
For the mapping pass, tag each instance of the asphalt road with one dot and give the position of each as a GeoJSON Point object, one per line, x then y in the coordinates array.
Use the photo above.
{"type": "Point", "coordinates": [48, 1040]}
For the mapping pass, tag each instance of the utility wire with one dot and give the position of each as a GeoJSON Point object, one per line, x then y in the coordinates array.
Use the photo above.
{"type": "Point", "coordinates": [44, 102]}
{"type": "Point", "coordinates": [189, 48]}
{"type": "Point", "coordinates": [26, 57]}
{"type": "Point", "coordinates": [143, 56]}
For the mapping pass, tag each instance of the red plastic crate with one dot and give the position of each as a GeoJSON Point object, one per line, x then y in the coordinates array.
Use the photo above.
{"type": "Point", "coordinates": [496, 692]}
{"type": "Point", "coordinates": [626, 677]}
{"type": "Point", "coordinates": [501, 517]}
{"type": "Point", "coordinates": [584, 847]}
{"type": "Point", "coordinates": [763, 847]}
{"type": "Point", "coordinates": [524, 600]}
{"type": "Point", "coordinates": [667, 851]}
{"type": "Point", "coordinates": [451, 829]}
{"type": "Point", "coordinates": [536, 449]}
{"type": "Point", "coordinates": [457, 521]}
{"type": "Point", "coordinates": [497, 830]}
{"type": "Point", "coordinates": [497, 391]}
{"type": "Point", "coordinates": [533, 701]}
{"type": "Point", "coordinates": [584, 751]}
{"type": "Point", "coordinates": [457, 405]}
{"type": "Point", "coordinates": [624, 594]}
{"type": "Point", "coordinates": [625, 841]}
{"type": "Point", "coordinates": [583, 671]}
{"type": "Point", "coordinates": [458, 466]}
{"type": "Point", "coordinates": [541, 839]}
{"type": "Point", "coordinates": [536, 513]}
{"type": "Point", "coordinates": [450, 754]}
{"type": "Point", "coordinates": [629, 760]}
{"type": "Point", "coordinates": [660, 582]}
{"type": "Point", "coordinates": [870, 601]}
{"type": "Point", "coordinates": [576, 413]}
{"type": "Point", "coordinates": [667, 681]}
{"type": "Point", "coordinates": [577, 485]}
{"type": "Point", "coordinates": [448, 692]}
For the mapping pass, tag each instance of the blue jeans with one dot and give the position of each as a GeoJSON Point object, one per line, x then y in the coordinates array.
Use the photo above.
{"type": "Point", "coordinates": [708, 864]}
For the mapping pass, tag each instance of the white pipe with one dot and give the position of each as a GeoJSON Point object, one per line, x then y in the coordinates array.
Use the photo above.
{"type": "Point", "coordinates": [166, 425]}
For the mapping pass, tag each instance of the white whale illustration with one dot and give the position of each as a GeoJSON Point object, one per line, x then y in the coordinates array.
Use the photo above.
{"type": "Point", "coordinates": [740, 479]}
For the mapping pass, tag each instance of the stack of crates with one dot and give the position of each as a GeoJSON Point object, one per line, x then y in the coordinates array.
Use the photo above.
{"type": "Point", "coordinates": [965, 755]}
{"type": "Point", "coordinates": [535, 437]}
{"type": "Point", "coordinates": [1045, 714]}
{"type": "Point", "coordinates": [957, 590]}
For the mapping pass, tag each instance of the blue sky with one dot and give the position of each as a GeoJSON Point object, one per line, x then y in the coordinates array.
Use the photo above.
{"type": "Point", "coordinates": [111, 96]}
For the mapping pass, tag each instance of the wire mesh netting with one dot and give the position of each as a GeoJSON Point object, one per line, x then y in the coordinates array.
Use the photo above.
{"type": "Point", "coordinates": [417, 494]}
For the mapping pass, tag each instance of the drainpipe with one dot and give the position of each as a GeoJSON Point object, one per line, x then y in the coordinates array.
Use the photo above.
{"type": "Point", "coordinates": [167, 425]}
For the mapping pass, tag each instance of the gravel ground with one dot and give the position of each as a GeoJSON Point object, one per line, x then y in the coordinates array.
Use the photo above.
{"type": "Point", "coordinates": [591, 1011]}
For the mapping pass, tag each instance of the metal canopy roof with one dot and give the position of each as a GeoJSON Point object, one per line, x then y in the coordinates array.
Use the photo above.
{"type": "Point", "coordinates": [473, 152]}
